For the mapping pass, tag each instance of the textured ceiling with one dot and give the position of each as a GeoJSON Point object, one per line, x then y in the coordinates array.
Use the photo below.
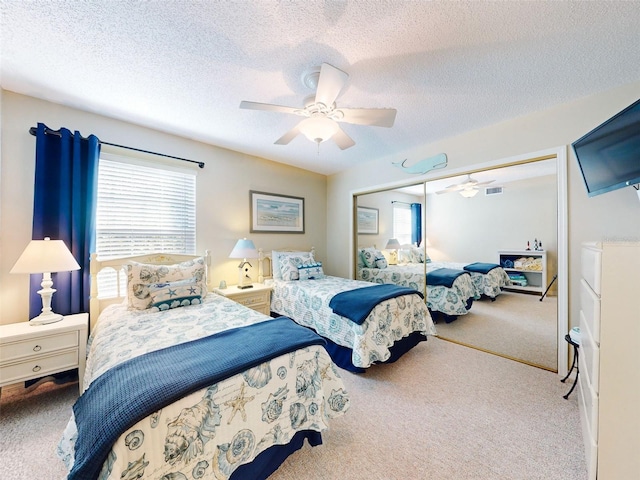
{"type": "Point", "coordinates": [447, 67]}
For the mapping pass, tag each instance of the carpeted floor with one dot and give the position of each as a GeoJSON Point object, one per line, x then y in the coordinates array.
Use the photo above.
{"type": "Point", "coordinates": [442, 412]}
{"type": "Point", "coordinates": [515, 325]}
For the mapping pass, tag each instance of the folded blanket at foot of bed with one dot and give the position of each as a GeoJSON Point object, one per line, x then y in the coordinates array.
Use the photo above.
{"type": "Point", "coordinates": [444, 277]}
{"type": "Point", "coordinates": [142, 385]}
{"type": "Point", "coordinates": [479, 267]}
{"type": "Point", "coordinates": [356, 304]}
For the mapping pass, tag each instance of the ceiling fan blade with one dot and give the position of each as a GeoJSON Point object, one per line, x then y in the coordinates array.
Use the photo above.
{"type": "Point", "coordinates": [287, 137]}
{"type": "Point", "coordinates": [377, 117]}
{"type": "Point", "coordinates": [330, 84]}
{"type": "Point", "coordinates": [343, 140]}
{"type": "Point", "coordinates": [269, 107]}
{"type": "Point", "coordinates": [484, 183]}
{"type": "Point", "coordinates": [449, 189]}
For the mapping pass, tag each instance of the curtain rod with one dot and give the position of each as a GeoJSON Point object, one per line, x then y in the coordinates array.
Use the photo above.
{"type": "Point", "coordinates": [398, 201]}
{"type": "Point", "coordinates": [33, 131]}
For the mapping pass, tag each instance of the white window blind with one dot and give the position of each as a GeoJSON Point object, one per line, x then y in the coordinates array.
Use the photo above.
{"type": "Point", "coordinates": [141, 210]}
{"type": "Point", "coordinates": [402, 223]}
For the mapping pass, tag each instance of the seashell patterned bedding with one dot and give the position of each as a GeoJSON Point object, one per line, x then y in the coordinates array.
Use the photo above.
{"type": "Point", "coordinates": [223, 431]}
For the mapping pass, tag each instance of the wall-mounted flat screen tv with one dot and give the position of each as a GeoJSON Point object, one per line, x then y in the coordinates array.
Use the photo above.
{"type": "Point", "coordinates": [609, 155]}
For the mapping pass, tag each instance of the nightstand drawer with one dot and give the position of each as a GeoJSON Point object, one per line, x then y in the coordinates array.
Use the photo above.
{"type": "Point", "coordinates": [38, 367]}
{"type": "Point", "coordinates": [38, 346]}
{"type": "Point", "coordinates": [253, 300]}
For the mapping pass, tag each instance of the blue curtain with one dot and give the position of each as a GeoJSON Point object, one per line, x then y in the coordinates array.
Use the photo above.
{"type": "Point", "coordinates": [66, 188]}
{"type": "Point", "coordinates": [416, 223]}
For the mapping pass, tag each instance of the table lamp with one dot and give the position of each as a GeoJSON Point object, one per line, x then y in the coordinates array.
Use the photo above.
{"type": "Point", "coordinates": [393, 245]}
{"type": "Point", "coordinates": [46, 256]}
{"type": "Point", "coordinates": [244, 249]}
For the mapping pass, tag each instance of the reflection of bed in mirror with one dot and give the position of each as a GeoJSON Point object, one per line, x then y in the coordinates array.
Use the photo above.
{"type": "Point", "coordinates": [382, 332]}
{"type": "Point", "coordinates": [178, 397]}
{"type": "Point", "coordinates": [451, 287]}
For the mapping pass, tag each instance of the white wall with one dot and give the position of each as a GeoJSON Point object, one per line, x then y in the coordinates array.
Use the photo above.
{"type": "Point", "coordinates": [222, 190]}
{"type": "Point", "coordinates": [474, 229]}
{"type": "Point", "coordinates": [615, 215]}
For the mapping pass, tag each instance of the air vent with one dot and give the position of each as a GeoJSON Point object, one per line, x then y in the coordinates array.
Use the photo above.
{"type": "Point", "coordinates": [493, 190]}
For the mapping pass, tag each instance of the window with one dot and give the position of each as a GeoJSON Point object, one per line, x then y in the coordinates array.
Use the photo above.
{"type": "Point", "coordinates": [142, 209]}
{"type": "Point", "coordinates": [402, 223]}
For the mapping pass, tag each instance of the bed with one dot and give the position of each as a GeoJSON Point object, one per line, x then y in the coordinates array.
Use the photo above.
{"type": "Point", "coordinates": [449, 293]}
{"type": "Point", "coordinates": [488, 279]}
{"type": "Point", "coordinates": [388, 330]}
{"type": "Point", "coordinates": [237, 421]}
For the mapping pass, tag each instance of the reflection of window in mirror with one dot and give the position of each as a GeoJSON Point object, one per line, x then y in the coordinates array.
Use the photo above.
{"type": "Point", "coordinates": [402, 222]}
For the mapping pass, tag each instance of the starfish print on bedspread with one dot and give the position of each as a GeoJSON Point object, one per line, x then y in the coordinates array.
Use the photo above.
{"type": "Point", "coordinates": [237, 404]}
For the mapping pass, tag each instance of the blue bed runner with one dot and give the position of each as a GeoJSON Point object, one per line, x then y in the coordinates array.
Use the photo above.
{"type": "Point", "coordinates": [135, 389]}
{"type": "Point", "coordinates": [356, 304]}
{"type": "Point", "coordinates": [444, 277]}
{"type": "Point", "coordinates": [479, 267]}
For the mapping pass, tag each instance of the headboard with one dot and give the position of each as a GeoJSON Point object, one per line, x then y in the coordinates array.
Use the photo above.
{"type": "Point", "coordinates": [265, 262]}
{"type": "Point", "coordinates": [96, 304]}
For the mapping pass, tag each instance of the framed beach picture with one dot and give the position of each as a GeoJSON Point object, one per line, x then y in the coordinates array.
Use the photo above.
{"type": "Point", "coordinates": [367, 220]}
{"type": "Point", "coordinates": [275, 213]}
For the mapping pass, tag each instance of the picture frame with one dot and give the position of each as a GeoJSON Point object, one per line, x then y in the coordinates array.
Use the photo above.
{"type": "Point", "coordinates": [368, 221]}
{"type": "Point", "coordinates": [276, 213]}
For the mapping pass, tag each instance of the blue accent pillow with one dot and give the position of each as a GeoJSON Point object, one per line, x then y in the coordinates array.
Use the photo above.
{"type": "Point", "coordinates": [182, 293]}
{"type": "Point", "coordinates": [310, 271]}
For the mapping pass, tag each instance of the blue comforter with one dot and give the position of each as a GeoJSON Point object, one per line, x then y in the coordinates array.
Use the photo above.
{"type": "Point", "coordinates": [140, 386]}
{"type": "Point", "coordinates": [356, 304]}
{"type": "Point", "coordinates": [444, 277]}
{"type": "Point", "coordinates": [479, 267]}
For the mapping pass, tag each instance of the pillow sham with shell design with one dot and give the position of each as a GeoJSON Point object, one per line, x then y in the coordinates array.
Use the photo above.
{"type": "Point", "coordinates": [311, 271]}
{"type": "Point", "coordinates": [141, 275]}
{"type": "Point", "coordinates": [289, 264]}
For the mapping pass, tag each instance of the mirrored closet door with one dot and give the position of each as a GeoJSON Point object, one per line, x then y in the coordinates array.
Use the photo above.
{"type": "Point", "coordinates": [472, 218]}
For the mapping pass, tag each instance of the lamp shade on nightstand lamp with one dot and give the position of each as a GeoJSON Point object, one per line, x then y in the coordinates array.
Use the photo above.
{"type": "Point", "coordinates": [393, 245]}
{"type": "Point", "coordinates": [244, 249]}
{"type": "Point", "coordinates": [46, 256]}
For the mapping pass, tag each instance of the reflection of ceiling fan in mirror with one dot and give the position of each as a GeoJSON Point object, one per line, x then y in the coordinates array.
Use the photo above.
{"type": "Point", "coordinates": [468, 188]}
{"type": "Point", "coordinates": [322, 114]}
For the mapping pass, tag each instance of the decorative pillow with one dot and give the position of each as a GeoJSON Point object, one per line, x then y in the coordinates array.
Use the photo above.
{"type": "Point", "coordinates": [381, 262]}
{"type": "Point", "coordinates": [289, 264]}
{"type": "Point", "coordinates": [175, 294]}
{"type": "Point", "coordinates": [370, 255]}
{"type": "Point", "coordinates": [311, 271]}
{"type": "Point", "coordinates": [141, 275]}
{"type": "Point", "coordinates": [277, 256]}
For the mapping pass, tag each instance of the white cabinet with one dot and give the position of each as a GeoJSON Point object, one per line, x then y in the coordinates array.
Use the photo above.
{"type": "Point", "coordinates": [532, 264]}
{"type": "Point", "coordinates": [31, 351]}
{"type": "Point", "coordinates": [609, 363]}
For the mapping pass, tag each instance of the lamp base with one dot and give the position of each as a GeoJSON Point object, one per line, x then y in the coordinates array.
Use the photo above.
{"type": "Point", "coordinates": [45, 318]}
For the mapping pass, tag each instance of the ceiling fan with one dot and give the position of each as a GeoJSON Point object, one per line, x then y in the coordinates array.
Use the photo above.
{"type": "Point", "coordinates": [321, 113]}
{"type": "Point", "coordinates": [468, 188]}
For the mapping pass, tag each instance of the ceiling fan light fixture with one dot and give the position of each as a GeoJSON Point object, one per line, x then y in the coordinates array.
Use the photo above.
{"type": "Point", "coordinates": [318, 129]}
{"type": "Point", "coordinates": [469, 192]}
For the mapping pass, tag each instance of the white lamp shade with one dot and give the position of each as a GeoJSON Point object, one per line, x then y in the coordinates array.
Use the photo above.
{"type": "Point", "coordinates": [244, 249]}
{"type": "Point", "coordinates": [393, 244]}
{"type": "Point", "coordinates": [318, 129]}
{"type": "Point", "coordinates": [45, 256]}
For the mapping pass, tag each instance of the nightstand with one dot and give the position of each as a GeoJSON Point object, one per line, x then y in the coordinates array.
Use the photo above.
{"type": "Point", "coordinates": [257, 298]}
{"type": "Point", "coordinates": [33, 351]}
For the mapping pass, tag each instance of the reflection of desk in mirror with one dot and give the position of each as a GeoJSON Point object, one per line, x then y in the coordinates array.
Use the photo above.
{"type": "Point", "coordinates": [526, 268]}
